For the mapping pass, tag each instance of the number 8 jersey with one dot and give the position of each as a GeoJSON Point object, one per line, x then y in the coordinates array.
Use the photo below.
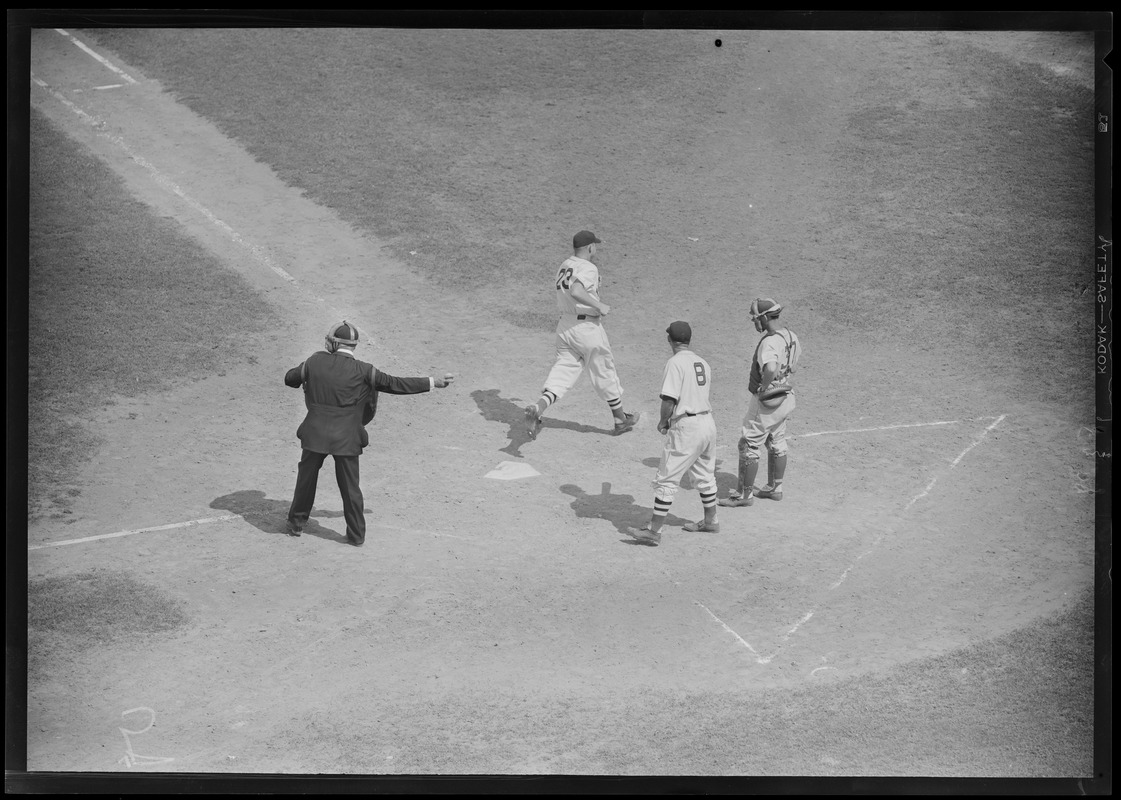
{"type": "Point", "coordinates": [577, 269]}
{"type": "Point", "coordinates": [687, 380]}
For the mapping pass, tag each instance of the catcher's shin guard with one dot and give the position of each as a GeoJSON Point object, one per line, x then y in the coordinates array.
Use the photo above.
{"type": "Point", "coordinates": [776, 469]}
{"type": "Point", "coordinates": [749, 468]}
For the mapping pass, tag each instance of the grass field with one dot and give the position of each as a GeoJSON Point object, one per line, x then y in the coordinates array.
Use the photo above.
{"type": "Point", "coordinates": [927, 242]}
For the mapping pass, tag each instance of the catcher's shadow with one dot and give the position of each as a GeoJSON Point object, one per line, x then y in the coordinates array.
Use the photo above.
{"type": "Point", "coordinates": [271, 516]}
{"type": "Point", "coordinates": [511, 412]}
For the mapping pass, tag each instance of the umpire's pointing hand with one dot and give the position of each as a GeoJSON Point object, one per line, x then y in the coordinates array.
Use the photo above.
{"type": "Point", "coordinates": [444, 382]}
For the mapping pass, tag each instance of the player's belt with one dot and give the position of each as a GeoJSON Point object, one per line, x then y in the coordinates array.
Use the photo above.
{"type": "Point", "coordinates": [673, 420]}
{"type": "Point", "coordinates": [586, 316]}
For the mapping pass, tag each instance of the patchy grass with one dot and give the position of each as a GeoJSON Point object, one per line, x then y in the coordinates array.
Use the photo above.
{"type": "Point", "coordinates": [974, 712]}
{"type": "Point", "coordinates": [958, 191]}
{"type": "Point", "coordinates": [72, 613]}
{"type": "Point", "coordinates": [969, 226]}
{"type": "Point", "coordinates": [121, 302]}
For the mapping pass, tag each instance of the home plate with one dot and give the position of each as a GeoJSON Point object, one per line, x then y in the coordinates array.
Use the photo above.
{"type": "Point", "coordinates": [511, 471]}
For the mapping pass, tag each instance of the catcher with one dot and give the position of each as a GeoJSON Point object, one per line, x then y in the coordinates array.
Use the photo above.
{"type": "Point", "coordinates": [771, 404]}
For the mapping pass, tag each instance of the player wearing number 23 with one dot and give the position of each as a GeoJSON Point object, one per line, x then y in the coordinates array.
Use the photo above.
{"type": "Point", "coordinates": [690, 445]}
{"type": "Point", "coordinates": [581, 339]}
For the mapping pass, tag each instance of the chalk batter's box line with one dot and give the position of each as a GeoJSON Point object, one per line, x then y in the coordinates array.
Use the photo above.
{"type": "Point", "coordinates": [758, 657]}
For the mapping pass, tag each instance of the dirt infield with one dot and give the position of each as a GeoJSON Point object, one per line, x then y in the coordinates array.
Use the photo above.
{"type": "Point", "coordinates": [508, 626]}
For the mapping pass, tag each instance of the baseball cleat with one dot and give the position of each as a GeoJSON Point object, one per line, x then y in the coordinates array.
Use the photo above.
{"type": "Point", "coordinates": [701, 527]}
{"type": "Point", "coordinates": [632, 420]}
{"type": "Point", "coordinates": [532, 421]}
{"type": "Point", "coordinates": [767, 493]}
{"type": "Point", "coordinates": [293, 529]}
{"type": "Point", "coordinates": [736, 501]}
{"type": "Point", "coordinates": [645, 536]}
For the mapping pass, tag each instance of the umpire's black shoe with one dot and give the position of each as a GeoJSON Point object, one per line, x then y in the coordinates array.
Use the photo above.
{"type": "Point", "coordinates": [293, 529]}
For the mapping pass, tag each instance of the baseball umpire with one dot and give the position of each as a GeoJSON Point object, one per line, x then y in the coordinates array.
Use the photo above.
{"type": "Point", "coordinates": [581, 339]}
{"type": "Point", "coordinates": [769, 407]}
{"type": "Point", "coordinates": [341, 394]}
{"type": "Point", "coordinates": [690, 446]}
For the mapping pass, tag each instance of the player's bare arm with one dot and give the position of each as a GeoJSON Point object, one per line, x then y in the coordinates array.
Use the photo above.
{"type": "Point", "coordinates": [770, 370]}
{"type": "Point", "coordinates": [668, 405]}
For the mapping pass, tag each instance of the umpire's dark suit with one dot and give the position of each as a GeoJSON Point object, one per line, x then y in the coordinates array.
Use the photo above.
{"type": "Point", "coordinates": [341, 394]}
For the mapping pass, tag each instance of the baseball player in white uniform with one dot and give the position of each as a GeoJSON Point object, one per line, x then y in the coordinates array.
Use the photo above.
{"type": "Point", "coordinates": [690, 446]}
{"type": "Point", "coordinates": [776, 358]}
{"type": "Point", "coordinates": [581, 339]}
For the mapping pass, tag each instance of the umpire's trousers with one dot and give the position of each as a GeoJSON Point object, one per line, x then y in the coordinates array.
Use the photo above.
{"type": "Point", "coordinates": [346, 473]}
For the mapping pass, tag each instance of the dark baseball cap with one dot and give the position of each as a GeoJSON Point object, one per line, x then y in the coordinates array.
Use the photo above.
{"type": "Point", "coordinates": [585, 238]}
{"type": "Point", "coordinates": [345, 333]}
{"type": "Point", "coordinates": [680, 332]}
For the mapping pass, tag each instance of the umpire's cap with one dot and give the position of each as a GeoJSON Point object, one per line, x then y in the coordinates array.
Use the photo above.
{"type": "Point", "coordinates": [585, 238]}
{"type": "Point", "coordinates": [680, 332]}
{"type": "Point", "coordinates": [343, 333]}
{"type": "Point", "coordinates": [764, 307]}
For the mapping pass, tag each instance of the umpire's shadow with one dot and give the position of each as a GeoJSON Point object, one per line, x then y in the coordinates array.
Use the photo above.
{"type": "Point", "coordinates": [271, 516]}
{"type": "Point", "coordinates": [512, 413]}
{"type": "Point", "coordinates": [619, 509]}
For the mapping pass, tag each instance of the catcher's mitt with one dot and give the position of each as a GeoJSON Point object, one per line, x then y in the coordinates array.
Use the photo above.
{"type": "Point", "coordinates": [773, 397]}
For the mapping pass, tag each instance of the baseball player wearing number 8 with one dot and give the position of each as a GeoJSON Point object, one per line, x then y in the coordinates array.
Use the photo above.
{"type": "Point", "coordinates": [690, 446]}
{"type": "Point", "coordinates": [581, 339]}
{"type": "Point", "coordinates": [771, 404]}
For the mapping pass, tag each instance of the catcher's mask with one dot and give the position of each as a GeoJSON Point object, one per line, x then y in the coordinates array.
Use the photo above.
{"type": "Point", "coordinates": [764, 307]}
{"type": "Point", "coordinates": [339, 334]}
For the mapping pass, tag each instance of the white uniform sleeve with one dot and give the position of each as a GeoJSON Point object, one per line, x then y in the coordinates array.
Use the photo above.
{"type": "Point", "coordinates": [671, 379]}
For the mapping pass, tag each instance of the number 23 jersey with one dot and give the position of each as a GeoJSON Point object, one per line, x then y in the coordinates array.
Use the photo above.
{"type": "Point", "coordinates": [577, 269]}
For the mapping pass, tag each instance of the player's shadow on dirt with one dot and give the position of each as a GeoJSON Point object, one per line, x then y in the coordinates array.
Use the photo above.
{"type": "Point", "coordinates": [725, 481]}
{"type": "Point", "coordinates": [271, 516]}
{"type": "Point", "coordinates": [512, 413]}
{"type": "Point", "coordinates": [619, 509]}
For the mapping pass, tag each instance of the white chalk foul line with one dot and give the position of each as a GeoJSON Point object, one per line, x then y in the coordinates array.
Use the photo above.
{"type": "Point", "coordinates": [255, 250]}
{"type": "Point", "coordinates": [893, 427]}
{"type": "Point", "coordinates": [206, 521]}
{"type": "Point", "coordinates": [97, 57]}
{"type": "Point", "coordinates": [173, 525]}
{"type": "Point", "coordinates": [99, 125]}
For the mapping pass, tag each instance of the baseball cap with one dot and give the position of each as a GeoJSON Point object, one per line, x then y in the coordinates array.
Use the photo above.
{"type": "Point", "coordinates": [764, 306]}
{"type": "Point", "coordinates": [585, 238]}
{"type": "Point", "coordinates": [680, 332]}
